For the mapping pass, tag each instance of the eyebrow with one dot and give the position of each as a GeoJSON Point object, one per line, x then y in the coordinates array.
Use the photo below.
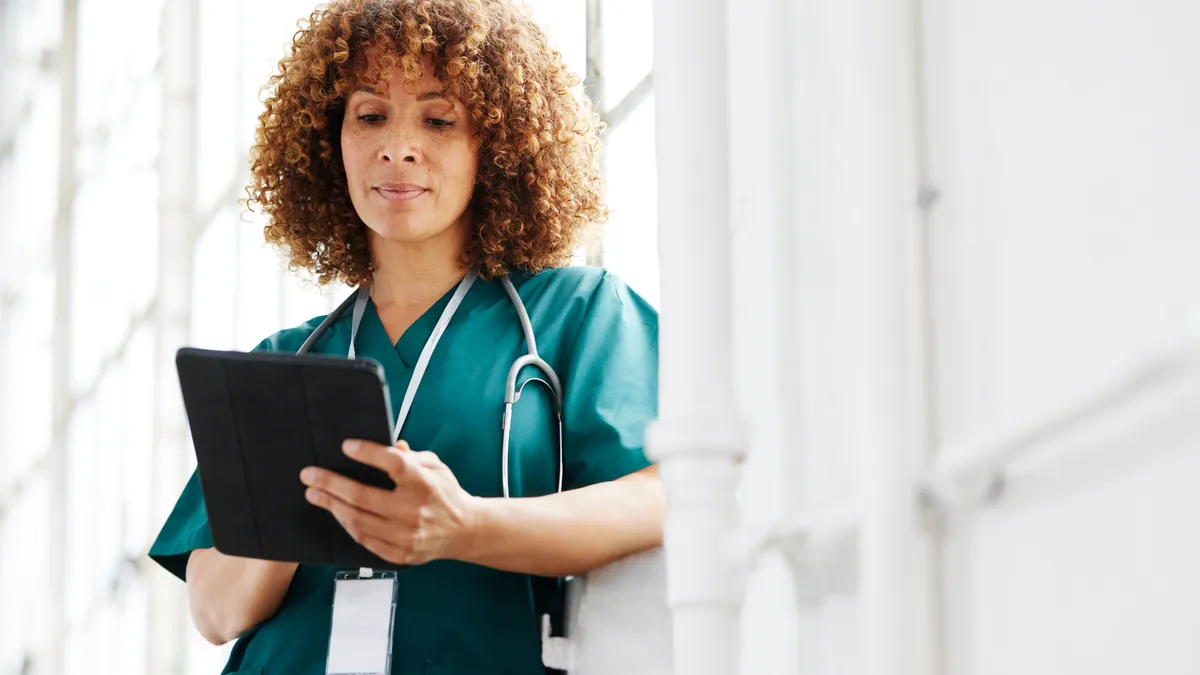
{"type": "Point", "coordinates": [426, 96]}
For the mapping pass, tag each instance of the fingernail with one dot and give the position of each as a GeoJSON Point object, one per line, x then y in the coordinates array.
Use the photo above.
{"type": "Point", "coordinates": [351, 446]}
{"type": "Point", "coordinates": [307, 476]}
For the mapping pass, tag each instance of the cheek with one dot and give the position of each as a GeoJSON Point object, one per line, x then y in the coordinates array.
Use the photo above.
{"type": "Point", "coordinates": [467, 173]}
{"type": "Point", "coordinates": [463, 163]}
{"type": "Point", "coordinates": [352, 151]}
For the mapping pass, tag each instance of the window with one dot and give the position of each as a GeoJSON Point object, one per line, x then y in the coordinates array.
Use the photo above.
{"type": "Point", "coordinates": [622, 62]}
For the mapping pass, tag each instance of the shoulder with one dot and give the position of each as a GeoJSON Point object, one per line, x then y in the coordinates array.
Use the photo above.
{"type": "Point", "coordinates": [290, 339]}
{"type": "Point", "coordinates": [595, 310]}
{"type": "Point", "coordinates": [593, 289]}
{"type": "Point", "coordinates": [573, 280]}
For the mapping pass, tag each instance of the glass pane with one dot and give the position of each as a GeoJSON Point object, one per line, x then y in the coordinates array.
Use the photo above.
{"type": "Point", "coordinates": [565, 24]}
{"type": "Point", "coordinates": [35, 152]}
{"type": "Point", "coordinates": [24, 542]}
{"type": "Point", "coordinates": [138, 397]}
{"type": "Point", "coordinates": [259, 291]}
{"type": "Point", "coordinates": [29, 389]}
{"type": "Point", "coordinates": [213, 284]}
{"type": "Point", "coordinates": [99, 309]}
{"type": "Point", "coordinates": [631, 236]}
{"type": "Point", "coordinates": [132, 629]}
{"type": "Point", "coordinates": [218, 147]}
{"type": "Point", "coordinates": [82, 498]}
{"type": "Point", "coordinates": [304, 300]}
{"type": "Point", "coordinates": [628, 46]}
{"type": "Point", "coordinates": [268, 27]}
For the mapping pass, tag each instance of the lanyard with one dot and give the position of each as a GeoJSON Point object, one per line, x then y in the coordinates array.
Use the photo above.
{"type": "Point", "coordinates": [360, 306]}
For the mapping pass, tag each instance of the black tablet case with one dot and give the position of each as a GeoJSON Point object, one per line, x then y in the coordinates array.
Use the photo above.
{"type": "Point", "coordinates": [257, 419]}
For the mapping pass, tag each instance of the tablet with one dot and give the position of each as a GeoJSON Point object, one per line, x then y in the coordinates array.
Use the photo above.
{"type": "Point", "coordinates": [257, 419]}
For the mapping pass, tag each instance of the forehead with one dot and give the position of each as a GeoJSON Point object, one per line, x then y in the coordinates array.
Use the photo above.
{"type": "Point", "coordinates": [369, 75]}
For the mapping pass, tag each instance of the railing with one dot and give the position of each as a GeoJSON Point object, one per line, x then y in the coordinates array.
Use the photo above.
{"type": "Point", "coordinates": [974, 472]}
{"type": "Point", "coordinates": [822, 545]}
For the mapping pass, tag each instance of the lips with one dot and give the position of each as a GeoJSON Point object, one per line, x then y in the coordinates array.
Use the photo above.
{"type": "Point", "coordinates": [400, 192]}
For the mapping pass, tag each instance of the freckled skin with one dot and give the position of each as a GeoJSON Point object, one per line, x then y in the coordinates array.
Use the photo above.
{"type": "Point", "coordinates": [409, 135]}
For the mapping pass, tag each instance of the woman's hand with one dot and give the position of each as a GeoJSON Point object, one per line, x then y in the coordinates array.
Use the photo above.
{"type": "Point", "coordinates": [427, 516]}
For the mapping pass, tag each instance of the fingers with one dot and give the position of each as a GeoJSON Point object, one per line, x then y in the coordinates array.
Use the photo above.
{"type": "Point", "coordinates": [346, 490]}
{"type": "Point", "coordinates": [398, 462]}
{"type": "Point", "coordinates": [406, 525]}
{"type": "Point", "coordinates": [357, 522]}
{"type": "Point", "coordinates": [427, 459]}
{"type": "Point", "coordinates": [387, 459]}
{"type": "Point", "coordinates": [395, 461]}
{"type": "Point", "coordinates": [373, 532]}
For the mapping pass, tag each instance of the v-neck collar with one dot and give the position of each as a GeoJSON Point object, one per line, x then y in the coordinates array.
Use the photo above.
{"type": "Point", "coordinates": [399, 359]}
{"type": "Point", "coordinates": [407, 349]}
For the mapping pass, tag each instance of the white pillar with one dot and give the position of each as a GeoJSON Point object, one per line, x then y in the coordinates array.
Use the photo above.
{"type": "Point", "coordinates": [856, 140]}
{"type": "Point", "coordinates": [765, 281]}
{"type": "Point", "coordinates": [166, 642]}
{"type": "Point", "coordinates": [876, 205]}
{"type": "Point", "coordinates": [698, 439]}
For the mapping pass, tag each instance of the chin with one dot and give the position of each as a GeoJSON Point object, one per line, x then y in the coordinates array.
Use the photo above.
{"type": "Point", "coordinates": [406, 231]}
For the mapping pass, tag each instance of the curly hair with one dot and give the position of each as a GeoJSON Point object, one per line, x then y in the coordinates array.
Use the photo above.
{"type": "Point", "coordinates": [538, 184]}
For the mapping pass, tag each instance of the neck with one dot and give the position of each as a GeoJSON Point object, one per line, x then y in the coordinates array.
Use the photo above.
{"type": "Point", "coordinates": [408, 274]}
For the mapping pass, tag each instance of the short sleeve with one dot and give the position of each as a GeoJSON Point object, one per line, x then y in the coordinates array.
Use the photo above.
{"type": "Point", "coordinates": [610, 387]}
{"type": "Point", "coordinates": [186, 529]}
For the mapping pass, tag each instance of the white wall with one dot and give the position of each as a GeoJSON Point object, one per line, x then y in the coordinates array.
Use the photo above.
{"type": "Point", "coordinates": [1064, 136]}
{"type": "Point", "coordinates": [1063, 253]}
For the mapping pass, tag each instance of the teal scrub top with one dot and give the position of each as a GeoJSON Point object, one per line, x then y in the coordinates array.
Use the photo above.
{"type": "Point", "coordinates": [455, 618]}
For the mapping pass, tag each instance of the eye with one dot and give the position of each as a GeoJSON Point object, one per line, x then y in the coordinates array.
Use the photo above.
{"type": "Point", "coordinates": [439, 123]}
{"type": "Point", "coordinates": [370, 118]}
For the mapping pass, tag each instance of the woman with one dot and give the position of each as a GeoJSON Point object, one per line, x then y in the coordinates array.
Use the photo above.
{"type": "Point", "coordinates": [406, 143]}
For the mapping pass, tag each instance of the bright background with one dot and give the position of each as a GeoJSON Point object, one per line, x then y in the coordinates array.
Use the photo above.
{"type": "Point", "coordinates": [92, 242]}
{"type": "Point", "coordinates": [1061, 137]}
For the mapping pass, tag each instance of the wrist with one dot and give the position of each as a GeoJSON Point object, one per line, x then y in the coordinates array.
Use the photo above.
{"type": "Point", "coordinates": [478, 520]}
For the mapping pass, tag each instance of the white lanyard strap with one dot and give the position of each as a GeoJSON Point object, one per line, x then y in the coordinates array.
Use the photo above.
{"type": "Point", "coordinates": [361, 296]}
{"type": "Point", "coordinates": [360, 306]}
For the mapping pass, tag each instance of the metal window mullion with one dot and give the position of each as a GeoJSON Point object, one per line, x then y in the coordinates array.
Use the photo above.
{"type": "Point", "coordinates": [624, 109]}
{"type": "Point", "coordinates": [593, 87]}
{"type": "Point", "coordinates": [179, 65]}
{"type": "Point", "coordinates": [53, 658]}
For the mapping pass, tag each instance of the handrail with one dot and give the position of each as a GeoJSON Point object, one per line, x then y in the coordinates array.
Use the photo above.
{"type": "Point", "coordinates": [973, 472]}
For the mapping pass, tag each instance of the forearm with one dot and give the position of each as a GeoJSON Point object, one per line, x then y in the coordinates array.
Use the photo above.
{"type": "Point", "coordinates": [229, 595]}
{"type": "Point", "coordinates": [571, 532]}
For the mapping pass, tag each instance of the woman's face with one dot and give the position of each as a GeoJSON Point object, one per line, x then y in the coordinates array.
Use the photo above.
{"type": "Point", "coordinates": [410, 156]}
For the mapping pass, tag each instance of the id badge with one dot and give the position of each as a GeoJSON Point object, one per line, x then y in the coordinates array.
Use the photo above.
{"type": "Point", "coordinates": [364, 613]}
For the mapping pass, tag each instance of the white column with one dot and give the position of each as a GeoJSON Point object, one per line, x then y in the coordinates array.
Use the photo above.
{"type": "Point", "coordinates": [764, 282]}
{"type": "Point", "coordinates": [167, 623]}
{"type": "Point", "coordinates": [698, 439]}
{"type": "Point", "coordinates": [877, 208]}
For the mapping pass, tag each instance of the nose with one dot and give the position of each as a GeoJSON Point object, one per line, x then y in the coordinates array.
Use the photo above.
{"type": "Point", "coordinates": [402, 145]}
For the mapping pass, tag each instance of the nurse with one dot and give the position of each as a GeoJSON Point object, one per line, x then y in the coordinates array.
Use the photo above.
{"type": "Point", "coordinates": [403, 145]}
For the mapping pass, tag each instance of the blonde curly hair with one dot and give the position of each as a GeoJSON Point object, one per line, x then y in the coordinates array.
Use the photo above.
{"type": "Point", "coordinates": [538, 184]}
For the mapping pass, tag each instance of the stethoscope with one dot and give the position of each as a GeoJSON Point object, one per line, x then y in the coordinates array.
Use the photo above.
{"type": "Point", "coordinates": [357, 301]}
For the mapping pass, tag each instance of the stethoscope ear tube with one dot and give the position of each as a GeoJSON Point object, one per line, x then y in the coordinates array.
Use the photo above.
{"type": "Point", "coordinates": [336, 314]}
